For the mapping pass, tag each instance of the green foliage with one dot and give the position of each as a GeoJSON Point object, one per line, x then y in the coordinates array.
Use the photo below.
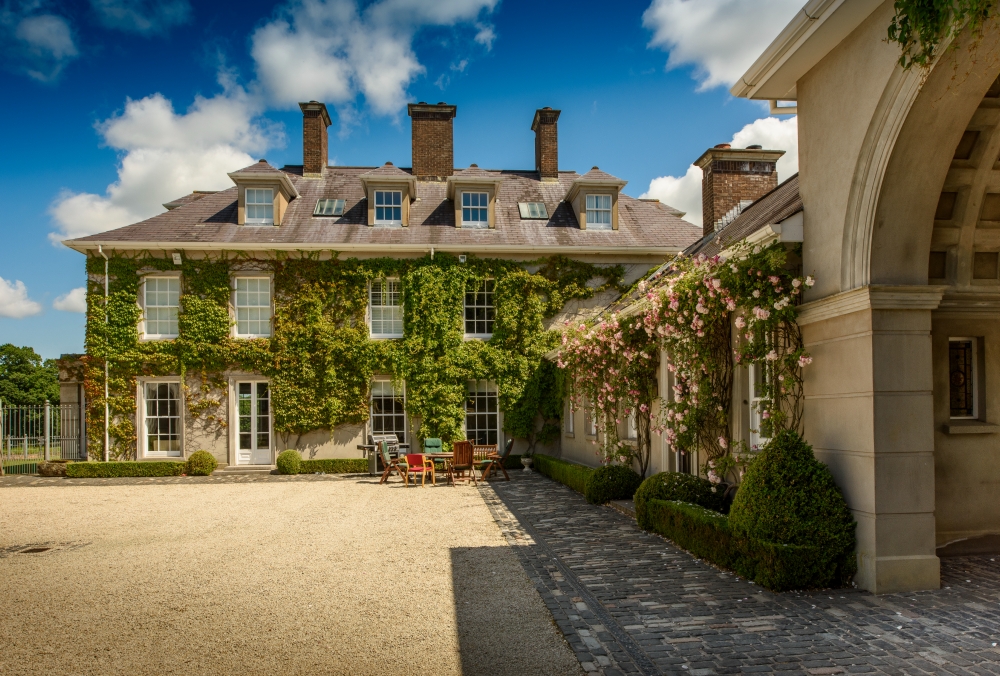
{"type": "Point", "coordinates": [91, 470]}
{"type": "Point", "coordinates": [573, 475]}
{"type": "Point", "coordinates": [789, 497]}
{"type": "Point", "coordinates": [289, 462]}
{"type": "Point", "coordinates": [709, 535]}
{"type": "Point", "coordinates": [25, 378]}
{"type": "Point", "coordinates": [201, 463]}
{"type": "Point", "coordinates": [675, 486]}
{"type": "Point", "coordinates": [320, 359]}
{"type": "Point", "coordinates": [919, 26]}
{"type": "Point", "coordinates": [611, 482]}
{"type": "Point", "coordinates": [334, 466]}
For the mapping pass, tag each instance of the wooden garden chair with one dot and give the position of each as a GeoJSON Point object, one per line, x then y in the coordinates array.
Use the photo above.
{"type": "Point", "coordinates": [496, 461]}
{"type": "Point", "coordinates": [418, 463]}
{"type": "Point", "coordinates": [390, 464]}
{"type": "Point", "coordinates": [462, 461]}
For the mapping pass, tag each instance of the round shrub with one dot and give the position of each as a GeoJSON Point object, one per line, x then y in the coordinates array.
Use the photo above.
{"type": "Point", "coordinates": [788, 497]}
{"type": "Point", "coordinates": [201, 463]}
{"type": "Point", "coordinates": [289, 462]}
{"type": "Point", "coordinates": [611, 482]}
{"type": "Point", "coordinates": [675, 486]}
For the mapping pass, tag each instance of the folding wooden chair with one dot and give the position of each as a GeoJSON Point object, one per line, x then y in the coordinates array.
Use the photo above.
{"type": "Point", "coordinates": [390, 464]}
{"type": "Point", "coordinates": [496, 461]}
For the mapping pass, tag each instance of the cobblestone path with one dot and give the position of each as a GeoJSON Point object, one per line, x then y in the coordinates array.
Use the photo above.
{"type": "Point", "coordinates": [629, 602]}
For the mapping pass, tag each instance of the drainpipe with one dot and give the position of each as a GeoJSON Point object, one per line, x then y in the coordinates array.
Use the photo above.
{"type": "Point", "coordinates": [107, 441]}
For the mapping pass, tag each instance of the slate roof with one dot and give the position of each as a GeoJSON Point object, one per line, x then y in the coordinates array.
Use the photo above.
{"type": "Point", "coordinates": [209, 221]}
{"type": "Point", "coordinates": [261, 167]}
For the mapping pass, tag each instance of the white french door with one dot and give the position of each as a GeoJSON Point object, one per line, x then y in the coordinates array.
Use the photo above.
{"type": "Point", "coordinates": [253, 436]}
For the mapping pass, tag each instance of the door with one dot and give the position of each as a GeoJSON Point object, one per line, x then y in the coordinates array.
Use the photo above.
{"type": "Point", "coordinates": [254, 433]}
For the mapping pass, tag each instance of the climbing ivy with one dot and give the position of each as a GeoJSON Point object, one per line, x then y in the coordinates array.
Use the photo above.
{"type": "Point", "coordinates": [320, 359]}
{"type": "Point", "coordinates": [920, 26]}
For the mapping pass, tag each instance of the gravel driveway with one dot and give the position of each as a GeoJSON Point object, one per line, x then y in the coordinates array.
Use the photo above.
{"type": "Point", "coordinates": [319, 575]}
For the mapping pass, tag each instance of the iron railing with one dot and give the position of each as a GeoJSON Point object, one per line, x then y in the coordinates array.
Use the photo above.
{"type": "Point", "coordinates": [33, 434]}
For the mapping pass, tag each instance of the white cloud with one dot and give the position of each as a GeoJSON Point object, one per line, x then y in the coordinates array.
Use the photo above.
{"type": "Point", "coordinates": [684, 192]}
{"type": "Point", "coordinates": [167, 155]}
{"type": "Point", "coordinates": [145, 17]}
{"type": "Point", "coordinates": [720, 38]}
{"type": "Point", "coordinates": [330, 50]}
{"type": "Point", "coordinates": [35, 44]}
{"type": "Point", "coordinates": [14, 301]}
{"type": "Point", "coordinates": [74, 301]}
{"type": "Point", "coordinates": [486, 35]}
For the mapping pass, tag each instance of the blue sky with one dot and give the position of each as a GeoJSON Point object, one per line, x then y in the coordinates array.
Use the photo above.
{"type": "Point", "coordinates": [115, 106]}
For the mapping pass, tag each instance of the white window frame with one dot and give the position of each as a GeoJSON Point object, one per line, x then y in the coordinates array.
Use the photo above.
{"type": "Point", "coordinates": [371, 319]}
{"type": "Point", "coordinates": [478, 209]}
{"type": "Point", "coordinates": [590, 420]}
{"type": "Point", "coordinates": [496, 394]}
{"type": "Point", "coordinates": [974, 374]}
{"type": "Point", "coordinates": [334, 205]}
{"type": "Point", "coordinates": [757, 440]}
{"type": "Point", "coordinates": [234, 416]}
{"type": "Point", "coordinates": [145, 308]}
{"type": "Point", "coordinates": [631, 427]}
{"type": "Point", "coordinates": [490, 306]}
{"type": "Point", "coordinates": [267, 205]}
{"type": "Point", "coordinates": [371, 411]}
{"type": "Point", "coordinates": [270, 307]}
{"type": "Point", "coordinates": [533, 211]}
{"type": "Point", "coordinates": [570, 426]}
{"type": "Point", "coordinates": [142, 416]}
{"type": "Point", "coordinates": [598, 209]}
{"type": "Point", "coordinates": [377, 206]}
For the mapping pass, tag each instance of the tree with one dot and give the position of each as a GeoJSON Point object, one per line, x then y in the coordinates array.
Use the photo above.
{"type": "Point", "coordinates": [25, 378]}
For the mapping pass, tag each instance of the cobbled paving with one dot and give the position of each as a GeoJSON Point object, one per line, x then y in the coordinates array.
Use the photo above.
{"type": "Point", "coordinates": [629, 602]}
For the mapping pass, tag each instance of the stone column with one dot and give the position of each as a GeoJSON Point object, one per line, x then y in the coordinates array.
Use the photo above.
{"type": "Point", "coordinates": [869, 416]}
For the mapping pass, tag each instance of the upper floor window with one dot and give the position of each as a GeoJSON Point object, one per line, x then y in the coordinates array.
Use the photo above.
{"type": "Point", "coordinates": [599, 212]}
{"type": "Point", "coordinates": [161, 301]}
{"type": "Point", "coordinates": [388, 207]}
{"type": "Point", "coordinates": [253, 307]}
{"type": "Point", "coordinates": [329, 207]}
{"type": "Point", "coordinates": [260, 206]}
{"type": "Point", "coordinates": [475, 209]}
{"type": "Point", "coordinates": [479, 309]}
{"type": "Point", "coordinates": [385, 309]}
{"type": "Point", "coordinates": [532, 210]}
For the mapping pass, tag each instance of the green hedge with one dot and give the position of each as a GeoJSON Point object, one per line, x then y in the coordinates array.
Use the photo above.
{"type": "Point", "coordinates": [708, 535]}
{"type": "Point", "coordinates": [612, 482]}
{"type": "Point", "coordinates": [675, 487]}
{"type": "Point", "coordinates": [334, 466]}
{"type": "Point", "coordinates": [90, 470]}
{"type": "Point", "coordinates": [573, 475]}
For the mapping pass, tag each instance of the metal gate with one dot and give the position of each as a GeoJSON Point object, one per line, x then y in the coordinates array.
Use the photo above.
{"type": "Point", "coordinates": [33, 434]}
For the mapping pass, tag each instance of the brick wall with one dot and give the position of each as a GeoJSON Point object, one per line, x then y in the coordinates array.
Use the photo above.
{"type": "Point", "coordinates": [732, 175]}
{"type": "Point", "coordinates": [315, 120]}
{"type": "Point", "coordinates": [433, 140]}
{"type": "Point", "coordinates": [546, 142]}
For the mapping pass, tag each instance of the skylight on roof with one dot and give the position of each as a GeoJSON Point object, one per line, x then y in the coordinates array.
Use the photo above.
{"type": "Point", "coordinates": [532, 210]}
{"type": "Point", "coordinates": [329, 207]}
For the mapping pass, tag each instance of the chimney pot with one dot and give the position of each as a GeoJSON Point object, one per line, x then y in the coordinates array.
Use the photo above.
{"type": "Point", "coordinates": [723, 145]}
{"type": "Point", "coordinates": [474, 165]}
{"type": "Point", "coordinates": [433, 140]}
{"type": "Point", "coordinates": [262, 161]}
{"type": "Point", "coordinates": [388, 164]}
{"type": "Point", "coordinates": [734, 175]}
{"type": "Point", "coordinates": [315, 120]}
{"type": "Point", "coordinates": [754, 147]}
{"type": "Point", "coordinates": [545, 126]}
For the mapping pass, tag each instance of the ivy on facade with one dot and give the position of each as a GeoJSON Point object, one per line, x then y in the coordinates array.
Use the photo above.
{"type": "Point", "coordinates": [320, 359]}
{"type": "Point", "coordinates": [920, 26]}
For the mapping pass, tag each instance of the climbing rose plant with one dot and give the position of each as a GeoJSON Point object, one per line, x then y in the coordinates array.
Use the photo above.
{"type": "Point", "coordinates": [706, 315]}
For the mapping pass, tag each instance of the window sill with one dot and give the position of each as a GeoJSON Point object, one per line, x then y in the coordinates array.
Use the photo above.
{"type": "Point", "coordinates": [478, 336]}
{"type": "Point", "coordinates": [970, 427]}
{"type": "Point", "coordinates": [260, 225]}
{"type": "Point", "coordinates": [148, 339]}
{"type": "Point", "coordinates": [251, 336]}
{"type": "Point", "coordinates": [387, 336]}
{"type": "Point", "coordinates": [569, 435]}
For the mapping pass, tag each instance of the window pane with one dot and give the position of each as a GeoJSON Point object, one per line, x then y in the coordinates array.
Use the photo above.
{"type": "Point", "coordinates": [162, 424]}
{"type": "Point", "coordinates": [960, 378]}
{"type": "Point", "coordinates": [481, 419]}
{"type": "Point", "coordinates": [387, 412]}
{"type": "Point", "coordinates": [479, 310]}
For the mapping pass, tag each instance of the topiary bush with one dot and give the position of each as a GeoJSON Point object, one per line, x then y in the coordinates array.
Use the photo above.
{"type": "Point", "coordinates": [611, 482]}
{"type": "Point", "coordinates": [787, 497]}
{"type": "Point", "coordinates": [201, 463]}
{"type": "Point", "coordinates": [678, 487]}
{"type": "Point", "coordinates": [289, 462]}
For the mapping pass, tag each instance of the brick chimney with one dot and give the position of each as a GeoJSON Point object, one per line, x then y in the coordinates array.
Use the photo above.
{"type": "Point", "coordinates": [433, 140]}
{"type": "Point", "coordinates": [315, 120]}
{"type": "Point", "coordinates": [734, 175]}
{"type": "Point", "coordinates": [545, 126]}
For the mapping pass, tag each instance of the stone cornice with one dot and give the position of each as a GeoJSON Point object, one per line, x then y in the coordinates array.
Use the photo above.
{"type": "Point", "coordinates": [879, 297]}
{"type": "Point", "coordinates": [970, 301]}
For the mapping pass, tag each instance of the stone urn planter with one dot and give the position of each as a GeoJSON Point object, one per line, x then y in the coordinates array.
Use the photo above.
{"type": "Point", "coordinates": [526, 461]}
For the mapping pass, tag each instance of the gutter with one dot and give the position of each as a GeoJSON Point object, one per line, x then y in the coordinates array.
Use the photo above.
{"type": "Point", "coordinates": [107, 439]}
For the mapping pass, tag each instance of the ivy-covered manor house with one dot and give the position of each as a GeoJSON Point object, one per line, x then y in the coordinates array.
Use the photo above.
{"type": "Point", "coordinates": [312, 306]}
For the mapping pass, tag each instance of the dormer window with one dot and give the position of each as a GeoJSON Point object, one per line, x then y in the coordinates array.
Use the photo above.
{"type": "Point", "coordinates": [530, 210]}
{"type": "Point", "coordinates": [599, 212]}
{"type": "Point", "coordinates": [388, 207]}
{"type": "Point", "coordinates": [260, 206]}
{"type": "Point", "coordinates": [475, 210]}
{"type": "Point", "coordinates": [329, 207]}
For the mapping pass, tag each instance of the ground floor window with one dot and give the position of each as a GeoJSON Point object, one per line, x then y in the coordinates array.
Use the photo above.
{"type": "Point", "coordinates": [253, 407]}
{"type": "Point", "coordinates": [590, 421]}
{"type": "Point", "coordinates": [162, 419]}
{"type": "Point", "coordinates": [962, 377]}
{"type": "Point", "coordinates": [482, 416]}
{"type": "Point", "coordinates": [758, 374]}
{"type": "Point", "coordinates": [388, 409]}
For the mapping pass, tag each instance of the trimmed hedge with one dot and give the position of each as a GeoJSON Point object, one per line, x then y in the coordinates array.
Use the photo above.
{"type": "Point", "coordinates": [334, 466]}
{"type": "Point", "coordinates": [675, 486]}
{"type": "Point", "coordinates": [611, 482]}
{"type": "Point", "coordinates": [573, 475]}
{"type": "Point", "coordinates": [90, 470]}
{"type": "Point", "coordinates": [709, 535]}
{"type": "Point", "coordinates": [289, 462]}
{"type": "Point", "coordinates": [201, 463]}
